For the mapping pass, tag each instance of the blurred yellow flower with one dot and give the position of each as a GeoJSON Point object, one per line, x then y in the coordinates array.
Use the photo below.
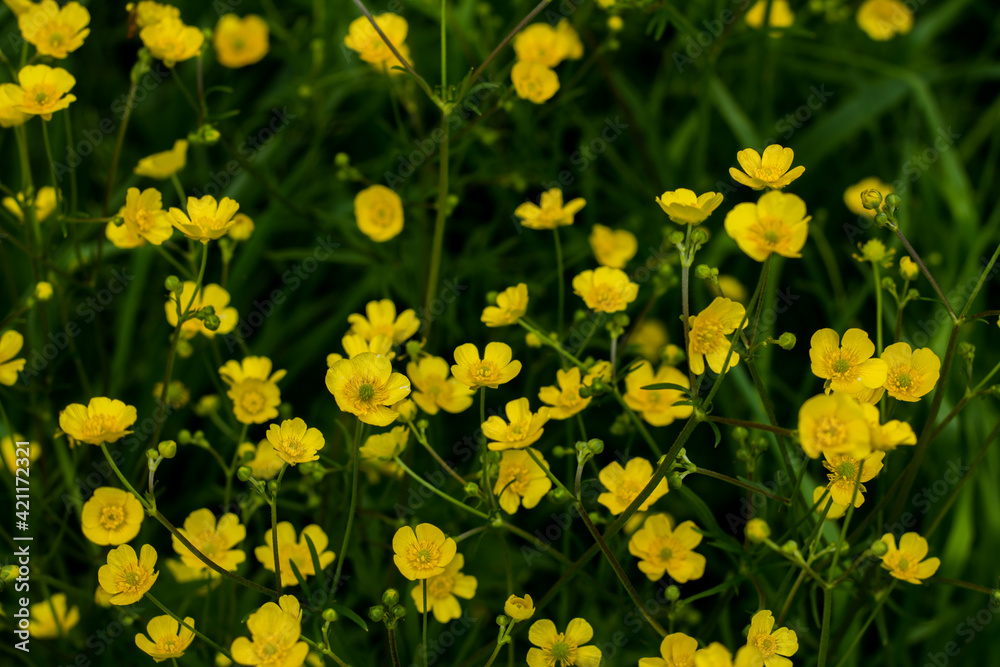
{"type": "Point", "coordinates": [884, 19]}
{"type": "Point", "coordinates": [10, 344]}
{"type": "Point", "coordinates": [542, 44]}
{"type": "Point", "coordinates": [662, 548]}
{"type": "Point", "coordinates": [239, 42]}
{"type": "Point", "coordinates": [354, 345]}
{"type": "Point", "coordinates": [11, 97]}
{"type": "Point", "coordinates": [495, 367]}
{"type": "Point", "coordinates": [912, 373]}
{"type": "Point", "coordinates": [253, 389]}
{"type": "Point", "coordinates": [707, 336]}
{"type": "Point", "coordinates": [265, 462]}
{"type": "Point", "coordinates": [550, 212]}
{"type": "Point", "coordinates": [534, 82]}
{"type": "Point", "coordinates": [217, 539]}
{"type": "Point", "coordinates": [650, 336]}
{"type": "Point", "coordinates": [522, 429]}
{"type": "Point", "coordinates": [443, 591]}
{"type": "Point", "coordinates": [776, 223]}
{"type": "Point", "coordinates": [386, 446]}
{"type": "Point", "coordinates": [210, 295]}
{"type": "Point", "coordinates": [769, 171]}
{"type": "Point", "coordinates": [846, 365]}
{"type": "Point", "coordinates": [835, 511]}
{"type": "Point", "coordinates": [379, 213]}
{"type": "Point", "coordinates": [519, 609]}
{"type": "Point", "coordinates": [512, 304]}
{"type": "Point", "coordinates": [423, 552]}
{"type": "Point", "coordinates": [433, 390]}
{"type": "Point", "coordinates": [167, 638]}
{"type": "Point", "coordinates": [124, 237]}
{"type": "Point", "coordinates": [564, 400]}
{"type": "Point", "coordinates": [605, 290]}
{"type": "Point", "coordinates": [852, 195]}
{"type": "Point", "coordinates": [365, 40]}
{"type": "Point", "coordinates": [833, 424]}
{"type": "Point", "coordinates": [520, 481]}
{"type": "Point", "coordinates": [656, 406]}
{"type": "Point", "coordinates": [43, 290]}
{"type": "Point", "coordinates": [772, 647]}
{"type": "Point", "coordinates": [731, 288]}
{"type": "Point", "coordinates": [907, 561]}
{"type": "Point", "coordinates": [8, 451]}
{"type": "Point", "coordinates": [908, 269]}
{"type": "Point", "coordinates": [612, 247]}
{"type": "Point", "coordinates": [101, 420]}
{"type": "Point", "coordinates": [171, 41]}
{"type": "Point", "coordinates": [684, 207]}
{"type": "Point", "coordinates": [44, 204]}
{"type": "Point", "coordinates": [127, 576]}
{"type": "Point", "coordinates": [382, 320]}
{"type": "Point", "coordinates": [886, 437]}
{"type": "Point", "coordinates": [111, 516]}
{"type": "Point", "coordinates": [275, 641]}
{"type": "Point", "coordinates": [294, 442]}
{"type": "Point", "coordinates": [164, 165]}
{"type": "Point", "coordinates": [43, 624]}
{"type": "Point", "coordinates": [18, 7]}
{"type": "Point", "coordinates": [565, 649]}
{"type": "Point", "coordinates": [209, 219]}
{"type": "Point", "coordinates": [624, 484]}
{"type": "Point", "coordinates": [242, 227]}
{"type": "Point", "coordinates": [717, 655]}
{"type": "Point", "coordinates": [365, 386]}
{"type": "Point", "coordinates": [781, 15]}
{"type": "Point", "coordinates": [43, 90]}
{"type": "Point", "coordinates": [290, 550]}
{"type": "Point", "coordinates": [53, 31]}
{"type": "Point", "coordinates": [677, 649]}
{"type": "Point", "coordinates": [148, 12]}
{"type": "Point", "coordinates": [843, 475]}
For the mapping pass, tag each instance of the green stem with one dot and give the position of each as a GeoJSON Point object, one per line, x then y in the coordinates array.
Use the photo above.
{"type": "Point", "coordinates": [354, 506]}
{"type": "Point", "coordinates": [439, 221]}
{"type": "Point", "coordinates": [553, 344]}
{"type": "Point", "coordinates": [324, 650]}
{"type": "Point", "coordinates": [755, 425]}
{"type": "Point", "coordinates": [52, 164]}
{"type": "Point", "coordinates": [878, 307]}
{"type": "Point", "coordinates": [742, 484]}
{"type": "Point", "coordinates": [179, 189]}
{"type": "Point", "coordinates": [927, 274]}
{"type": "Point", "coordinates": [982, 279]}
{"type": "Point", "coordinates": [113, 169]}
{"type": "Point", "coordinates": [424, 647]}
{"type": "Point", "coordinates": [189, 627]}
{"type": "Point", "coordinates": [393, 650]}
{"type": "Point", "coordinates": [435, 490]}
{"type": "Point", "coordinates": [444, 50]}
{"type": "Point", "coordinates": [560, 280]}
{"type": "Point", "coordinates": [824, 637]}
{"type": "Point", "coordinates": [274, 528]}
{"type": "Point", "coordinates": [861, 632]}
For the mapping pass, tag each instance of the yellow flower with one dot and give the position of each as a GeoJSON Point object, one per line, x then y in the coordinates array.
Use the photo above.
{"type": "Point", "coordinates": [386, 446]}
{"type": "Point", "coordinates": [101, 420]}
{"type": "Point", "coordinates": [522, 429]}
{"type": "Point", "coordinates": [684, 207]}
{"type": "Point", "coordinates": [493, 370]}
{"type": "Point", "coordinates": [442, 590]}
{"type": "Point", "coordinates": [772, 647]}
{"type": "Point", "coordinates": [833, 424]}
{"type": "Point", "coordinates": [433, 390]}
{"type": "Point", "coordinates": [662, 548]}
{"type": "Point", "coordinates": [43, 624]}
{"type": "Point", "coordinates": [242, 227]}
{"type": "Point", "coordinates": [18, 7]}
{"type": "Point", "coordinates": [677, 649]}
{"type": "Point", "coordinates": [613, 247]}
{"type": "Point", "coordinates": [8, 451]}
{"type": "Point", "coordinates": [605, 290]}
{"type": "Point", "coordinates": [656, 406]}
{"type": "Point", "coordinates": [531, 339]}
{"type": "Point", "coordinates": [519, 609]}
{"type": "Point", "coordinates": [776, 223]}
{"type": "Point", "coordinates": [886, 437]}
{"type": "Point", "coordinates": [44, 204]}
{"type": "Point", "coordinates": [275, 641]}
{"type": "Point", "coordinates": [565, 399]}
{"type": "Point", "coordinates": [121, 236]}
{"type": "Point", "coordinates": [53, 31]}
{"type": "Point", "coordinates": [265, 462]}
{"type": "Point", "coordinates": [171, 41]}
{"type": "Point", "coordinates": [365, 386]}
{"type": "Point", "coordinates": [148, 12]}
{"type": "Point", "coordinates": [732, 288]}
{"type": "Point", "coordinates": [216, 539]}
{"type": "Point", "coordinates": [253, 389]}
{"type": "Point", "coordinates": [167, 638]}
{"type": "Point", "coordinates": [520, 482]}
{"type": "Point", "coordinates": [852, 195]}
{"type": "Point", "coordinates": [847, 366]}
{"type": "Point", "coordinates": [550, 212]}
{"type": "Point", "coordinates": [884, 19]}
{"type": "Point", "coordinates": [210, 295]}
{"type": "Point", "coordinates": [769, 171]}
{"type": "Point", "coordinates": [912, 373]}
{"type": "Point", "coordinates": [382, 320]}
{"type": "Point", "coordinates": [144, 215]}
{"type": "Point", "coordinates": [907, 562]}
{"type": "Point", "coordinates": [290, 550]}
{"type": "Point", "coordinates": [102, 597]}
{"type": "Point", "coordinates": [423, 552]}
{"type": "Point", "coordinates": [542, 44]}
{"type": "Point", "coordinates": [781, 15]}
{"type": "Point", "coordinates": [379, 213]}
{"type": "Point", "coordinates": [875, 251]}
{"type": "Point", "coordinates": [908, 269]}
{"type": "Point", "coordinates": [650, 336]}
{"type": "Point", "coordinates": [624, 484]}
{"type": "Point", "coordinates": [363, 39]}
{"type": "Point", "coordinates": [11, 97]}
{"type": "Point", "coordinates": [835, 511]}
{"type": "Point", "coordinates": [843, 476]}
{"type": "Point", "coordinates": [569, 39]}
{"type": "Point", "coordinates": [111, 516]}
{"type": "Point", "coordinates": [43, 90]}
{"type": "Point", "coordinates": [601, 370]}
{"type": "Point", "coordinates": [43, 290]}
{"type": "Point", "coordinates": [294, 443]}
{"type": "Point", "coordinates": [512, 303]}
{"type": "Point", "coordinates": [10, 344]}
{"type": "Point", "coordinates": [126, 576]}
{"type": "Point", "coordinates": [534, 82]}
{"type": "Point", "coordinates": [565, 649]}
{"type": "Point", "coordinates": [240, 42]}
{"type": "Point", "coordinates": [707, 337]}
{"type": "Point", "coordinates": [209, 219]}
{"type": "Point", "coordinates": [717, 655]}
{"type": "Point", "coordinates": [164, 165]}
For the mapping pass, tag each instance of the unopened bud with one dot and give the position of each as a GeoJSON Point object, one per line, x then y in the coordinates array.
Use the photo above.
{"type": "Point", "coordinates": [871, 199]}
{"type": "Point", "coordinates": [391, 597]}
{"type": "Point", "coordinates": [330, 615]}
{"type": "Point", "coordinates": [673, 593]}
{"type": "Point", "coordinates": [596, 446]}
{"type": "Point", "coordinates": [675, 482]}
{"type": "Point", "coordinates": [893, 201]}
{"type": "Point", "coordinates": [243, 473]}
{"type": "Point", "coordinates": [167, 449]}
{"type": "Point", "coordinates": [703, 272]}
{"type": "Point", "coordinates": [757, 530]}
{"type": "Point", "coordinates": [786, 341]}
{"type": "Point", "coordinates": [503, 621]}
{"type": "Point", "coordinates": [173, 284]}
{"type": "Point", "coordinates": [879, 548]}
{"type": "Point", "coordinates": [881, 219]}
{"type": "Point", "coordinates": [376, 613]}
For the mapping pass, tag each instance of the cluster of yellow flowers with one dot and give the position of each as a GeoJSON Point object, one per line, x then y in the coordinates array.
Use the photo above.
{"type": "Point", "coordinates": [540, 48]}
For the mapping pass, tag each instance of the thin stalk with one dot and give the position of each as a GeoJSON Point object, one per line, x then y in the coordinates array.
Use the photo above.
{"type": "Point", "coordinates": [274, 528]}
{"type": "Point", "coordinates": [189, 627]}
{"type": "Point", "coordinates": [755, 425]}
{"type": "Point", "coordinates": [861, 632]}
{"type": "Point", "coordinates": [437, 491]}
{"type": "Point", "coordinates": [824, 637]}
{"type": "Point", "coordinates": [424, 647]}
{"type": "Point", "coordinates": [354, 505]}
{"type": "Point", "coordinates": [982, 279]}
{"type": "Point", "coordinates": [506, 40]}
{"type": "Point", "coordinates": [113, 169]}
{"type": "Point", "coordinates": [439, 218]}
{"type": "Point", "coordinates": [878, 308]}
{"type": "Point", "coordinates": [742, 484]}
{"type": "Point", "coordinates": [393, 650]}
{"type": "Point", "coordinates": [560, 279]}
{"type": "Point", "coordinates": [927, 274]}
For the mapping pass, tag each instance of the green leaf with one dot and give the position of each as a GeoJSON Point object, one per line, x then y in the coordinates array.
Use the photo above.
{"type": "Point", "coordinates": [667, 385]}
{"type": "Point", "coordinates": [301, 579]}
{"type": "Point", "coordinates": [344, 611]}
{"type": "Point", "coordinates": [317, 568]}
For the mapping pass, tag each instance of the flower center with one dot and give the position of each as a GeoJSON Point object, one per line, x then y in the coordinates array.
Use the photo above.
{"type": "Point", "coordinates": [903, 564]}
{"type": "Point", "coordinates": [292, 446]}
{"type": "Point", "coordinates": [768, 174]}
{"type": "Point", "coordinates": [98, 425]}
{"type": "Point", "coordinates": [766, 646]}
{"type": "Point", "coordinates": [514, 478]}
{"type": "Point", "coordinates": [112, 517]}
{"type": "Point", "coordinates": [423, 555]}
{"type": "Point", "coordinates": [485, 371]}
{"type": "Point", "coordinates": [252, 401]}
{"type": "Point", "coordinates": [666, 553]}
{"type": "Point", "coordinates": [830, 432]}
{"type": "Point", "coordinates": [144, 221]}
{"type": "Point", "coordinates": [605, 296]}
{"type": "Point", "coordinates": [440, 587]}
{"type": "Point", "coordinates": [705, 335]}
{"type": "Point", "coordinates": [841, 366]}
{"type": "Point", "coordinates": [366, 392]}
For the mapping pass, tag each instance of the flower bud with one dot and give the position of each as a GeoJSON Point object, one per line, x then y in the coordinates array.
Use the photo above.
{"type": "Point", "coordinates": [519, 609]}
{"type": "Point", "coordinates": [398, 612]}
{"type": "Point", "coordinates": [243, 473]}
{"type": "Point", "coordinates": [43, 291]}
{"type": "Point", "coordinates": [491, 297]}
{"type": "Point", "coordinates": [212, 322]}
{"type": "Point", "coordinates": [391, 597]}
{"type": "Point", "coordinates": [675, 238]}
{"type": "Point", "coordinates": [790, 547]}
{"type": "Point", "coordinates": [330, 615]}
{"type": "Point", "coordinates": [472, 490]}
{"type": "Point", "coordinates": [871, 199]}
{"type": "Point", "coordinates": [615, 23]}
{"type": "Point", "coordinates": [559, 495]}
{"type": "Point", "coordinates": [893, 201]}
{"type": "Point", "coordinates": [342, 159]}
{"type": "Point", "coordinates": [673, 593]}
{"type": "Point", "coordinates": [700, 235]}
{"type": "Point", "coordinates": [881, 219]}
{"type": "Point", "coordinates": [376, 613]}
{"type": "Point", "coordinates": [503, 621]}
{"type": "Point", "coordinates": [9, 573]}
{"type": "Point", "coordinates": [703, 272]}
{"type": "Point", "coordinates": [596, 446]}
{"type": "Point", "coordinates": [167, 449]}
{"type": "Point", "coordinates": [173, 284]}
{"type": "Point", "coordinates": [879, 548]}
{"type": "Point", "coordinates": [908, 269]}
{"type": "Point", "coordinates": [673, 355]}
{"type": "Point", "coordinates": [152, 454]}
{"type": "Point", "coordinates": [757, 530]}
{"type": "Point", "coordinates": [675, 481]}
{"type": "Point", "coordinates": [786, 341]}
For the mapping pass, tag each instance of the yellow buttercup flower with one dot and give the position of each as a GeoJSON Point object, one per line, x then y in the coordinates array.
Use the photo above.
{"type": "Point", "coordinates": [650, 336]}
{"type": "Point", "coordinates": [167, 638]}
{"type": "Point", "coordinates": [846, 365]}
{"type": "Point", "coordinates": [386, 446]}
{"type": "Point", "coordinates": [44, 204]}
{"type": "Point", "coordinates": [275, 642]}
{"type": "Point", "coordinates": [908, 269]}
{"type": "Point", "coordinates": [355, 344]}
{"type": "Point", "coordinates": [781, 15]}
{"type": "Point", "coordinates": [163, 165]}
{"type": "Point", "coordinates": [833, 424]}
{"type": "Point", "coordinates": [550, 212]}
{"type": "Point", "coordinates": [542, 44]}
{"type": "Point", "coordinates": [382, 320]}
{"type": "Point", "coordinates": [612, 247]}
{"type": "Point", "coordinates": [217, 539]}
{"type": "Point", "coordinates": [43, 90]}
{"type": "Point", "coordinates": [886, 437]}
{"type": "Point", "coordinates": [365, 40]}
{"type": "Point", "coordinates": [684, 207]}
{"type": "Point", "coordinates": [843, 475]}
{"type": "Point", "coordinates": [379, 213]}
{"type": "Point", "coordinates": [111, 516]}
{"type": "Point", "coordinates": [122, 236]}
{"type": "Point", "coordinates": [171, 41]}
{"type": "Point", "coordinates": [242, 227]}
{"type": "Point", "coordinates": [605, 290]}
{"type": "Point", "coordinates": [732, 288]}
{"type": "Point", "coordinates": [907, 562]}
{"type": "Point", "coordinates": [127, 576]}
{"type": "Point", "coordinates": [101, 420]}
{"type": "Point", "coordinates": [772, 646]}
{"type": "Point", "coordinates": [911, 373]}
{"type": "Point", "coordinates": [656, 406]}
{"type": "Point", "coordinates": [209, 219]}
{"type": "Point", "coordinates": [565, 649]}
{"type": "Point", "coordinates": [8, 451]}
{"type": "Point", "coordinates": [294, 443]}
{"type": "Point", "coordinates": [433, 390]}
{"type": "Point", "coordinates": [662, 548]}
{"type": "Point", "coordinates": [18, 7]}
{"type": "Point", "coordinates": [884, 19]}
{"type": "Point", "coordinates": [534, 82]}
{"type": "Point", "coordinates": [717, 655]}
{"type": "Point", "coordinates": [290, 550]}
{"type": "Point", "coordinates": [519, 609]}
{"type": "Point", "coordinates": [144, 215]}
{"type": "Point", "coordinates": [852, 195]}
{"type": "Point", "coordinates": [512, 304]}
{"type": "Point", "coordinates": [828, 507]}
{"type": "Point", "coordinates": [10, 345]}
{"type": "Point", "coordinates": [253, 389]}
{"type": "Point", "coordinates": [522, 429]}
{"type": "Point", "coordinates": [520, 481]}
{"type": "Point", "coordinates": [423, 552]}
{"type": "Point", "coordinates": [210, 295]}
{"type": "Point", "coordinates": [677, 650]}
{"type": "Point", "coordinates": [11, 97]}
{"type": "Point", "coordinates": [43, 624]}
{"type": "Point", "coordinates": [265, 462]}
{"type": "Point", "coordinates": [624, 484]}
{"type": "Point", "coordinates": [875, 251]}
{"type": "Point", "coordinates": [239, 42]}
{"type": "Point", "coordinates": [53, 31]}
{"type": "Point", "coordinates": [564, 400]}
{"type": "Point", "coordinates": [443, 591]}
{"type": "Point", "coordinates": [569, 39]}
{"type": "Point", "coordinates": [365, 386]}
{"type": "Point", "coordinates": [777, 223]}
{"type": "Point", "coordinates": [767, 171]}
{"type": "Point", "coordinates": [494, 369]}
{"type": "Point", "coordinates": [707, 337]}
{"type": "Point", "coordinates": [601, 370]}
{"type": "Point", "coordinates": [148, 12]}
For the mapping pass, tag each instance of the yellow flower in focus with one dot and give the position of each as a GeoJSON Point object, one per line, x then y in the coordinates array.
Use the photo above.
{"type": "Point", "coordinates": [275, 641]}
{"type": "Point", "coordinates": [656, 406]}
{"type": "Point", "coordinates": [423, 552]}
{"type": "Point", "coordinates": [382, 320]}
{"type": "Point", "coordinates": [912, 373]}
{"type": "Point", "coordinates": [265, 462]}
{"type": "Point", "coordinates": [167, 639]}
{"type": "Point", "coordinates": [564, 399]}
{"type": "Point", "coordinates": [101, 420]}
{"type": "Point", "coordinates": [216, 539]}
{"type": "Point", "coordinates": [534, 82]}
{"type": "Point", "coordinates": [522, 429]}
{"type": "Point", "coordinates": [43, 290]}
{"type": "Point", "coordinates": [605, 290]}
{"type": "Point", "coordinates": [565, 649]}
{"type": "Point", "coordinates": [11, 97]}
{"type": "Point", "coordinates": [386, 446]}
{"type": "Point", "coordinates": [852, 195]}
{"type": "Point", "coordinates": [772, 646]}
{"type": "Point", "coordinates": [126, 576]}
{"type": "Point", "coordinates": [494, 369]}
{"type": "Point", "coordinates": [781, 15]}
{"type": "Point", "coordinates": [210, 295]}
{"type": "Point", "coordinates": [433, 390]}
{"type": "Point", "coordinates": [843, 476]}
{"type": "Point", "coordinates": [43, 90]}
{"type": "Point", "coordinates": [443, 591]}
{"type": "Point", "coordinates": [886, 437]}
{"type": "Point", "coordinates": [294, 443]}
{"type": "Point", "coordinates": [144, 215]}
{"type": "Point", "coordinates": [148, 12]}
{"type": "Point", "coordinates": [365, 386]}
{"type": "Point", "coordinates": [769, 171]}
{"type": "Point", "coordinates": [550, 212]}
{"type": "Point", "coordinates": [8, 451]}
{"type": "Point", "coordinates": [171, 41]}
{"type": "Point", "coordinates": [684, 207]}
{"type": "Point", "coordinates": [707, 336]}
{"type": "Point", "coordinates": [884, 19]}
{"type": "Point", "coordinates": [833, 424]}
{"type": "Point", "coordinates": [624, 484]}
{"type": "Point", "coordinates": [907, 562]}
{"type": "Point", "coordinates": [613, 247]}
{"type": "Point", "coordinates": [365, 40]}
{"type": "Point", "coordinates": [43, 624]}
{"type": "Point", "coordinates": [163, 165]}
{"type": "Point", "coordinates": [512, 304]}
{"type": "Point", "coordinates": [379, 213]}
{"type": "Point", "coordinates": [847, 365]}
{"type": "Point", "coordinates": [520, 481]}
{"type": "Point", "coordinates": [53, 31]}
{"type": "Point", "coordinates": [677, 650]}
{"type": "Point", "coordinates": [290, 550]}
{"type": "Point", "coordinates": [253, 389]}
{"type": "Point", "coordinates": [242, 227]}
{"type": "Point", "coordinates": [239, 42]}
{"type": "Point", "coordinates": [777, 223]}
{"type": "Point", "coordinates": [650, 337]}
{"type": "Point", "coordinates": [111, 516]}
{"type": "Point", "coordinates": [662, 548]}
{"type": "Point", "coordinates": [10, 344]}
{"type": "Point", "coordinates": [519, 609]}
{"type": "Point", "coordinates": [908, 269]}
{"type": "Point", "coordinates": [44, 204]}
{"type": "Point", "coordinates": [209, 219]}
